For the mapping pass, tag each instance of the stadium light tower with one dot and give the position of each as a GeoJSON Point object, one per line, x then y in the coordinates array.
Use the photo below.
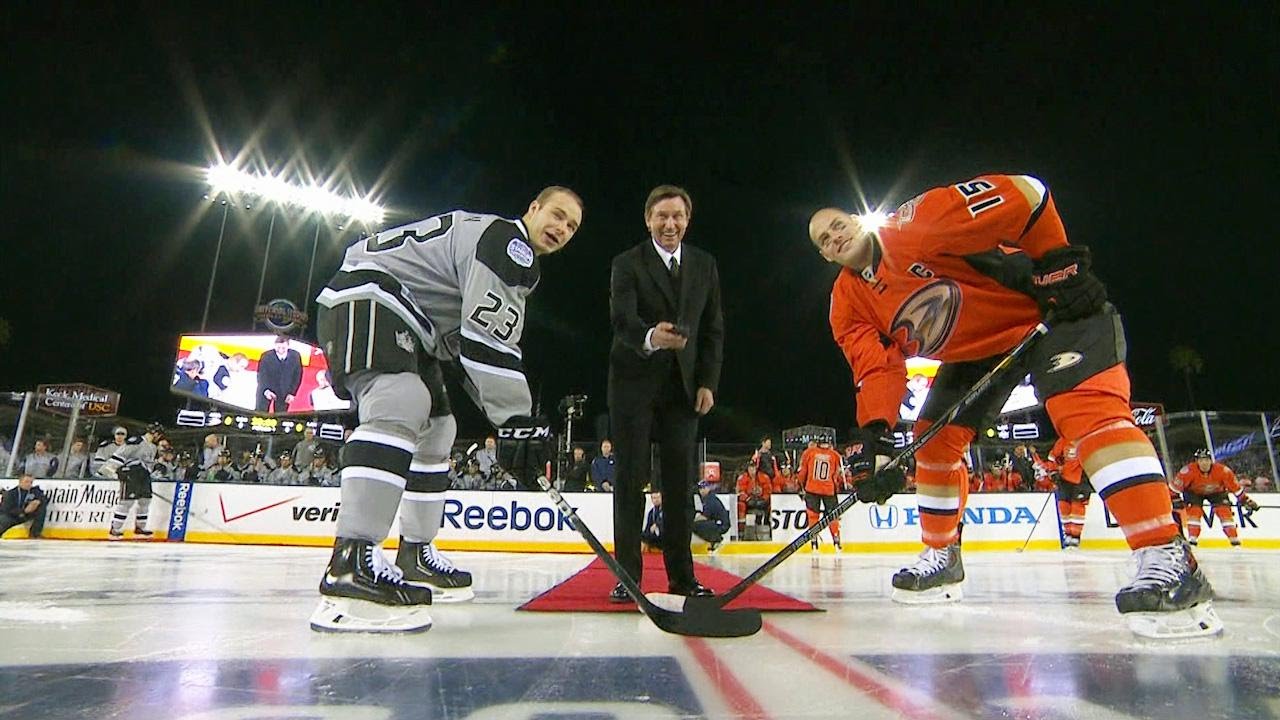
{"type": "Point", "coordinates": [274, 189]}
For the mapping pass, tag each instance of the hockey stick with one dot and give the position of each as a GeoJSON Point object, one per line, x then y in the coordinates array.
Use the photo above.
{"type": "Point", "coordinates": [979, 388]}
{"type": "Point", "coordinates": [693, 619]}
{"type": "Point", "coordinates": [1044, 507]}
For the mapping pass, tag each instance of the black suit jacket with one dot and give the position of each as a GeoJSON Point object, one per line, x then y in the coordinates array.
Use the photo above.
{"type": "Point", "coordinates": [280, 376]}
{"type": "Point", "coordinates": [642, 295]}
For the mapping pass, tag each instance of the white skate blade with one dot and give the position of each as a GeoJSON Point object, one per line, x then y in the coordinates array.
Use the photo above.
{"type": "Point", "coordinates": [444, 596]}
{"type": "Point", "coordinates": [932, 596]}
{"type": "Point", "coordinates": [339, 614]}
{"type": "Point", "coordinates": [1195, 622]}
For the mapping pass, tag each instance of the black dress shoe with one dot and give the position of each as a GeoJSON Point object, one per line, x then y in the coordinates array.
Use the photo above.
{"type": "Point", "coordinates": [619, 594]}
{"type": "Point", "coordinates": [695, 590]}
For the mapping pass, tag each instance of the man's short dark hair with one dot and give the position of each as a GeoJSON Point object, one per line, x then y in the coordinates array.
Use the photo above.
{"type": "Point", "coordinates": [550, 190]}
{"type": "Point", "coordinates": [662, 192]}
{"type": "Point", "coordinates": [282, 338]}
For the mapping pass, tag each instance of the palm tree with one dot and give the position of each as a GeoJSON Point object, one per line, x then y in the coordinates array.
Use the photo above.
{"type": "Point", "coordinates": [1187, 361]}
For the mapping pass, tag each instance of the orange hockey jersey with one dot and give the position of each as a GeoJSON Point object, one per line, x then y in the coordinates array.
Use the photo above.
{"type": "Point", "coordinates": [953, 283]}
{"type": "Point", "coordinates": [1220, 478]}
{"type": "Point", "coordinates": [819, 469]}
{"type": "Point", "coordinates": [1068, 460]}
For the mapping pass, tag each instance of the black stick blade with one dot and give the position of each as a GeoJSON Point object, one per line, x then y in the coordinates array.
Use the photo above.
{"type": "Point", "coordinates": [701, 621]}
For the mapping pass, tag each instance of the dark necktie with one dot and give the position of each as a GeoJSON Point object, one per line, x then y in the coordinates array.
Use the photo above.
{"type": "Point", "coordinates": [675, 268]}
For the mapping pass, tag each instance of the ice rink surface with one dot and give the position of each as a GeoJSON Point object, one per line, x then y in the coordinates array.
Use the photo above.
{"type": "Point", "coordinates": [155, 630]}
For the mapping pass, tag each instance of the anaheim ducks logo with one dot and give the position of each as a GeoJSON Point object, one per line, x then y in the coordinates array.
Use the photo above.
{"type": "Point", "coordinates": [927, 318]}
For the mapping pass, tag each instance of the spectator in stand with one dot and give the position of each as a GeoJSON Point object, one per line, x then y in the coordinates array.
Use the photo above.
{"type": "Point", "coordinates": [4, 453]}
{"type": "Point", "coordinates": [222, 471]}
{"type": "Point", "coordinates": [753, 492]}
{"type": "Point", "coordinates": [766, 464]}
{"type": "Point", "coordinates": [579, 474]}
{"type": "Point", "coordinates": [77, 460]}
{"type": "Point", "coordinates": [257, 469]}
{"type": "Point", "coordinates": [711, 521]}
{"type": "Point", "coordinates": [319, 473]}
{"type": "Point", "coordinates": [1024, 465]}
{"type": "Point", "coordinates": [186, 470]}
{"type": "Point", "coordinates": [602, 467]}
{"type": "Point", "coordinates": [23, 504]}
{"type": "Point", "coordinates": [487, 456]}
{"type": "Point", "coordinates": [786, 481]}
{"type": "Point", "coordinates": [212, 451]}
{"type": "Point", "coordinates": [651, 536]}
{"type": "Point", "coordinates": [285, 473]}
{"type": "Point", "coordinates": [1263, 483]}
{"type": "Point", "coordinates": [471, 478]}
{"type": "Point", "coordinates": [306, 449]}
{"type": "Point", "coordinates": [166, 465]}
{"type": "Point", "coordinates": [40, 462]}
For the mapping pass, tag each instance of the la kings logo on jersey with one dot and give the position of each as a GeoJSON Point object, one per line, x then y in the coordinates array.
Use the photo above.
{"type": "Point", "coordinates": [404, 340]}
{"type": "Point", "coordinates": [520, 253]}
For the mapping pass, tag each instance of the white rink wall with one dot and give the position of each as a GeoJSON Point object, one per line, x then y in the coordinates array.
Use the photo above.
{"type": "Point", "coordinates": [529, 522]}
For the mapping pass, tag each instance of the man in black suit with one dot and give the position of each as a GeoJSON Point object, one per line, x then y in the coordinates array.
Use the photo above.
{"type": "Point", "coordinates": [279, 375]}
{"type": "Point", "coordinates": [664, 369]}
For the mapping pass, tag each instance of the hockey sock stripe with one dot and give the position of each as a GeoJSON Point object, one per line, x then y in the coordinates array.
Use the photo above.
{"type": "Point", "coordinates": [1128, 484]}
{"type": "Point", "coordinates": [380, 438]}
{"type": "Point", "coordinates": [416, 496]}
{"type": "Point", "coordinates": [417, 467]}
{"type": "Point", "coordinates": [1120, 471]}
{"type": "Point", "coordinates": [373, 455]}
{"type": "Point", "coordinates": [368, 473]}
{"type": "Point", "coordinates": [436, 482]}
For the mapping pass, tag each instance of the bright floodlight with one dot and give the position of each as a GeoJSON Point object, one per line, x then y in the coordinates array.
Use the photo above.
{"type": "Point", "coordinates": [224, 178]}
{"type": "Point", "coordinates": [873, 220]}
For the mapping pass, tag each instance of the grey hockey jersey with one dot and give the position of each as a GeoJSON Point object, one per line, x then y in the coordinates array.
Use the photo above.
{"type": "Point", "coordinates": [460, 280]}
{"type": "Point", "coordinates": [137, 450]}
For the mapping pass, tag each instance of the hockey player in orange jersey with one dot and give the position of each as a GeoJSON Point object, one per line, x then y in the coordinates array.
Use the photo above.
{"type": "Point", "coordinates": [1203, 479]}
{"type": "Point", "coordinates": [961, 274]}
{"type": "Point", "coordinates": [1073, 492]}
{"type": "Point", "coordinates": [820, 469]}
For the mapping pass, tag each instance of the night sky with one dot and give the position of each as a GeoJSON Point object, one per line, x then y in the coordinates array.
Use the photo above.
{"type": "Point", "coordinates": [1156, 131]}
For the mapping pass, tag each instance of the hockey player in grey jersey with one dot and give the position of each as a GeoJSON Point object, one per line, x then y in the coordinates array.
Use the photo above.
{"type": "Point", "coordinates": [450, 287]}
{"type": "Point", "coordinates": [132, 463]}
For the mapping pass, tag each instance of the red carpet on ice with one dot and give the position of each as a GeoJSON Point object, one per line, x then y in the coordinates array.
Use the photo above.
{"type": "Point", "coordinates": [588, 590]}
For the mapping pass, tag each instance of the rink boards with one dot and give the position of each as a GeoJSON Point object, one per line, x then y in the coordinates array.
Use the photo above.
{"type": "Point", "coordinates": [530, 522]}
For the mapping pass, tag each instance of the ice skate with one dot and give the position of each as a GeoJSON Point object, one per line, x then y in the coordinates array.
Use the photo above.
{"type": "Point", "coordinates": [1169, 598]}
{"type": "Point", "coordinates": [142, 532]}
{"type": "Point", "coordinates": [935, 578]}
{"type": "Point", "coordinates": [423, 566]}
{"type": "Point", "coordinates": [361, 592]}
{"type": "Point", "coordinates": [115, 534]}
{"type": "Point", "coordinates": [814, 544]}
{"type": "Point", "coordinates": [835, 541]}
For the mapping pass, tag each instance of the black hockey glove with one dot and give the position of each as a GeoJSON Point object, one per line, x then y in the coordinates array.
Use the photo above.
{"type": "Point", "coordinates": [525, 427]}
{"type": "Point", "coordinates": [875, 451]}
{"type": "Point", "coordinates": [1065, 286]}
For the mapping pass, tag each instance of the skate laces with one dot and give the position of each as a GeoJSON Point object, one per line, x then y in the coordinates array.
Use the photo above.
{"type": "Point", "coordinates": [1159, 565]}
{"type": "Point", "coordinates": [931, 560]}
{"type": "Point", "coordinates": [437, 561]}
{"type": "Point", "coordinates": [382, 570]}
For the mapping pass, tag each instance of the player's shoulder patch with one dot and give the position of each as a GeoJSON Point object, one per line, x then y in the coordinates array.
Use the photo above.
{"type": "Point", "coordinates": [105, 443]}
{"type": "Point", "coordinates": [504, 250]}
{"type": "Point", "coordinates": [133, 440]}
